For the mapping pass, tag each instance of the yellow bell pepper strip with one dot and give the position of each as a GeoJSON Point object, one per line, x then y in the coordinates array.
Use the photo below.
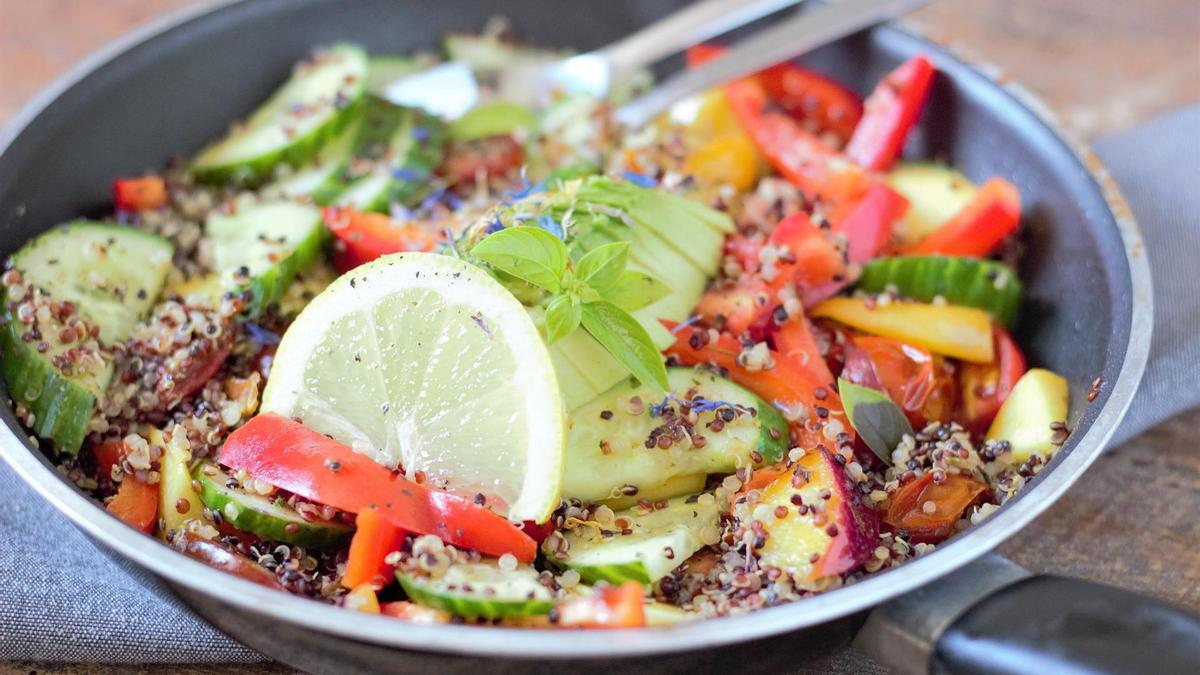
{"type": "Point", "coordinates": [1033, 417]}
{"type": "Point", "coordinates": [991, 215]}
{"type": "Point", "coordinates": [961, 332]}
{"type": "Point", "coordinates": [726, 160]}
{"type": "Point", "coordinates": [362, 599]}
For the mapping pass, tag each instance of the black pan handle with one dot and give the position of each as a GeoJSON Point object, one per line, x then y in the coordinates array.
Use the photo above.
{"type": "Point", "coordinates": [992, 617]}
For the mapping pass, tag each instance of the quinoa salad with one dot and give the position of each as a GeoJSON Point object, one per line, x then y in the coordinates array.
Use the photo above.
{"type": "Point", "coordinates": [522, 366]}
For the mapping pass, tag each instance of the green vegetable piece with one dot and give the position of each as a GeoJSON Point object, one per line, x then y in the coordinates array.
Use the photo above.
{"type": "Point", "coordinates": [627, 340]}
{"type": "Point", "coordinates": [481, 589]}
{"type": "Point", "coordinates": [876, 418]}
{"type": "Point", "coordinates": [601, 267]}
{"type": "Point", "coordinates": [985, 284]}
{"type": "Point", "coordinates": [635, 290]}
{"type": "Point", "coordinates": [528, 253]}
{"type": "Point", "coordinates": [492, 119]}
{"type": "Point", "coordinates": [563, 316]}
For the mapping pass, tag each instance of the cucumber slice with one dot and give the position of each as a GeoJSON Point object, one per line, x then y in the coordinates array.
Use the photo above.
{"type": "Point", "coordinates": [292, 125]}
{"type": "Point", "coordinates": [384, 70]}
{"type": "Point", "coordinates": [991, 286]}
{"type": "Point", "coordinates": [178, 501]}
{"type": "Point", "coordinates": [606, 446]}
{"type": "Point", "coordinates": [660, 541]}
{"type": "Point", "coordinates": [662, 614]}
{"type": "Point", "coordinates": [112, 275]}
{"type": "Point", "coordinates": [481, 590]}
{"type": "Point", "coordinates": [935, 193]}
{"type": "Point", "coordinates": [261, 247]}
{"type": "Point", "coordinates": [676, 486]}
{"type": "Point", "coordinates": [270, 519]}
{"type": "Point", "coordinates": [400, 148]}
{"type": "Point", "coordinates": [323, 170]}
{"type": "Point", "coordinates": [493, 119]}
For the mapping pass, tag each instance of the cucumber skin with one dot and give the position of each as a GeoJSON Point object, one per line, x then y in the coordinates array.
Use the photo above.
{"type": "Point", "coordinates": [270, 286]}
{"type": "Point", "coordinates": [961, 281]}
{"type": "Point", "coordinates": [614, 574]}
{"type": "Point", "coordinates": [265, 525]}
{"type": "Point", "coordinates": [62, 408]}
{"type": "Point", "coordinates": [471, 607]}
{"type": "Point", "coordinates": [258, 170]}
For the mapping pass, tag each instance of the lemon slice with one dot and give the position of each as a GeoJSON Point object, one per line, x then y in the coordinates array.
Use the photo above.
{"type": "Point", "coordinates": [424, 361]}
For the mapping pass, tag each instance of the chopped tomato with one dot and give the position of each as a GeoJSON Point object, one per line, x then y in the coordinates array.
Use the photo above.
{"type": "Point", "coordinates": [868, 226]}
{"type": "Point", "coordinates": [809, 96]}
{"type": "Point", "coordinates": [745, 251]}
{"type": "Point", "coordinates": [136, 504]}
{"type": "Point", "coordinates": [985, 386]}
{"type": "Point", "coordinates": [734, 306]}
{"type": "Point", "coordinates": [891, 111]}
{"type": "Point", "coordinates": [108, 454]}
{"type": "Point", "coordinates": [902, 371]}
{"type": "Point", "coordinates": [816, 169]}
{"type": "Point", "coordinates": [363, 237]}
{"type": "Point", "coordinates": [786, 385]}
{"type": "Point", "coordinates": [140, 194]}
{"type": "Point", "coordinates": [928, 510]}
{"type": "Point", "coordinates": [794, 341]}
{"type": "Point", "coordinates": [467, 161]}
{"type": "Point", "coordinates": [374, 538]}
{"type": "Point", "coordinates": [289, 455]}
{"type": "Point", "coordinates": [975, 231]}
{"type": "Point", "coordinates": [220, 557]}
{"type": "Point", "coordinates": [811, 261]}
{"type": "Point", "coordinates": [607, 607]}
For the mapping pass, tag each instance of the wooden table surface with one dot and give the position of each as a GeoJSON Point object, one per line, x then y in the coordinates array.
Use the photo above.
{"type": "Point", "coordinates": [1102, 65]}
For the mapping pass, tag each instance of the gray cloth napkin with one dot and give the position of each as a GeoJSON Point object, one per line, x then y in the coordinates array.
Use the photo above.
{"type": "Point", "coordinates": [65, 601]}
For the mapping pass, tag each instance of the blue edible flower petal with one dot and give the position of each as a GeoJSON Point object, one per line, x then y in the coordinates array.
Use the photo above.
{"type": "Point", "coordinates": [261, 335]}
{"type": "Point", "coordinates": [550, 225]}
{"type": "Point", "coordinates": [639, 179]}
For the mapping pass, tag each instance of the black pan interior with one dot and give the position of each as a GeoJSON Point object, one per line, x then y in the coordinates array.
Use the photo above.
{"type": "Point", "coordinates": [183, 87]}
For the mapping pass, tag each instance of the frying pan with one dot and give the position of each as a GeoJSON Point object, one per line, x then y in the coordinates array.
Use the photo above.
{"type": "Point", "coordinates": [171, 87]}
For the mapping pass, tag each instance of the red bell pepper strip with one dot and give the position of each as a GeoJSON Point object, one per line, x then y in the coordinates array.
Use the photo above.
{"type": "Point", "coordinates": [607, 607]}
{"type": "Point", "coordinates": [813, 167]}
{"type": "Point", "coordinates": [907, 511]}
{"type": "Point", "coordinates": [985, 386]}
{"type": "Point", "coordinates": [993, 214]}
{"type": "Point", "coordinates": [794, 341]}
{"type": "Point", "coordinates": [289, 455]}
{"type": "Point", "coordinates": [374, 538]}
{"type": "Point", "coordinates": [140, 194]}
{"type": "Point", "coordinates": [814, 97]}
{"type": "Point", "coordinates": [786, 385]}
{"type": "Point", "coordinates": [136, 504]}
{"type": "Point", "coordinates": [363, 237]}
{"type": "Point", "coordinates": [698, 55]}
{"type": "Point", "coordinates": [891, 111]}
{"type": "Point", "coordinates": [868, 226]}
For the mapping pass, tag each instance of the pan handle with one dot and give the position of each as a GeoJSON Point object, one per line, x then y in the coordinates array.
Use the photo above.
{"type": "Point", "coordinates": [993, 616]}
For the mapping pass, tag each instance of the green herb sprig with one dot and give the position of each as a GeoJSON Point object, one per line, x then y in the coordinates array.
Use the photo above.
{"type": "Point", "coordinates": [598, 293]}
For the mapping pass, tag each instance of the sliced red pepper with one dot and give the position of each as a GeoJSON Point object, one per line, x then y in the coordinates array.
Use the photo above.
{"type": "Point", "coordinates": [814, 265]}
{"type": "Point", "coordinates": [698, 55]}
{"type": "Point", "coordinates": [735, 306]}
{"type": "Point", "coordinates": [108, 454]}
{"type": "Point", "coordinates": [136, 504]}
{"type": "Point", "coordinates": [891, 111]}
{"type": "Point", "coordinates": [976, 230]}
{"type": "Point", "coordinates": [868, 226]}
{"type": "Point", "coordinates": [607, 607]}
{"type": "Point", "coordinates": [363, 237]}
{"type": "Point", "coordinates": [374, 538]}
{"type": "Point", "coordinates": [785, 385]}
{"type": "Point", "coordinates": [985, 386]}
{"type": "Point", "coordinates": [816, 169]}
{"type": "Point", "coordinates": [794, 341]}
{"type": "Point", "coordinates": [140, 194]}
{"type": "Point", "coordinates": [907, 510]}
{"type": "Point", "coordinates": [289, 455]}
{"type": "Point", "coordinates": [814, 97]}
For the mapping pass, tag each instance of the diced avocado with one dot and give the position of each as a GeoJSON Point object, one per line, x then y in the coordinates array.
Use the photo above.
{"type": "Point", "coordinates": [292, 125]}
{"type": "Point", "coordinates": [481, 589]}
{"type": "Point", "coordinates": [1037, 401]}
{"type": "Point", "coordinates": [935, 193]}
{"type": "Point", "coordinates": [660, 541]}
{"type": "Point", "coordinates": [607, 442]}
{"type": "Point", "coordinates": [112, 275]}
{"type": "Point", "coordinates": [672, 487]}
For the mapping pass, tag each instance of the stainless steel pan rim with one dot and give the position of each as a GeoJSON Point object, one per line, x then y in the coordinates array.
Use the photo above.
{"type": "Point", "coordinates": [36, 470]}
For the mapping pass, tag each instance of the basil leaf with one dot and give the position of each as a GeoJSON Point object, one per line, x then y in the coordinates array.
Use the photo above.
{"type": "Point", "coordinates": [877, 419]}
{"type": "Point", "coordinates": [562, 317]}
{"type": "Point", "coordinates": [602, 266]}
{"type": "Point", "coordinates": [625, 339]}
{"type": "Point", "coordinates": [528, 253]}
{"type": "Point", "coordinates": [634, 290]}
